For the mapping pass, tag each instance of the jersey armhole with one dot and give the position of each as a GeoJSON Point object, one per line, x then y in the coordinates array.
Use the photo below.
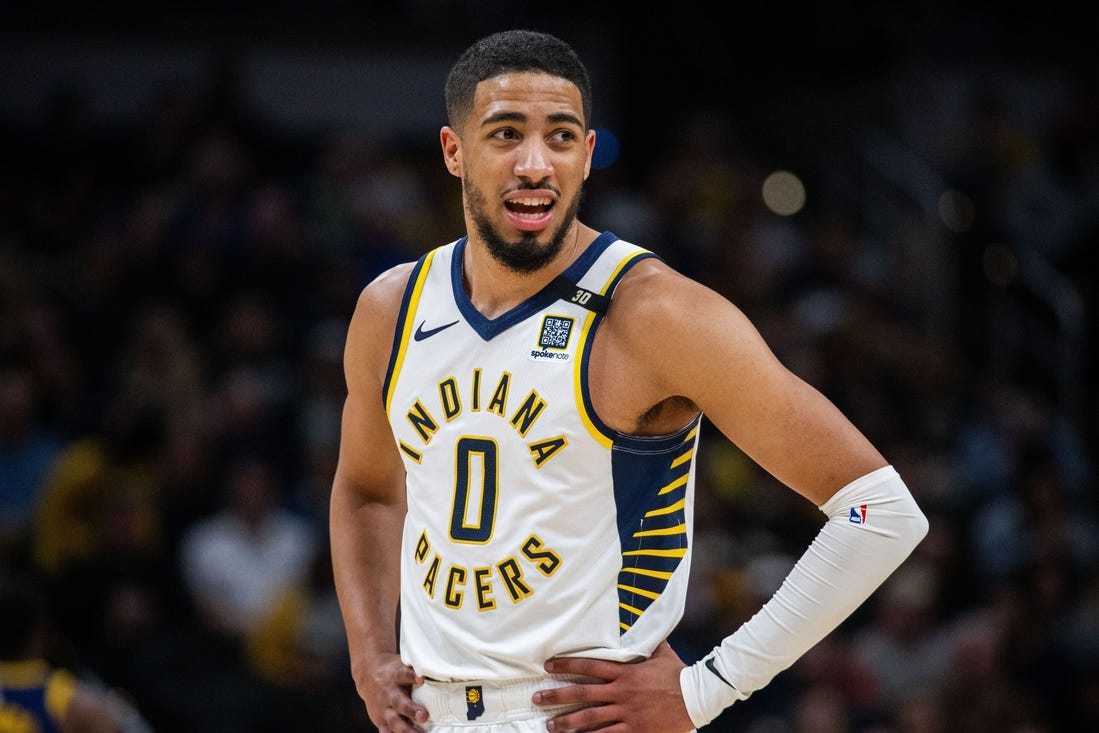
{"type": "Point", "coordinates": [596, 427]}
{"type": "Point", "coordinates": [401, 333]}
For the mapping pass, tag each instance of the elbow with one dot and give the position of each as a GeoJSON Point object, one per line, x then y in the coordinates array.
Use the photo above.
{"type": "Point", "coordinates": [920, 526]}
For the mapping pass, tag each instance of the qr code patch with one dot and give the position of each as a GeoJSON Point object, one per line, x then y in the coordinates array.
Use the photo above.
{"type": "Point", "coordinates": [555, 332]}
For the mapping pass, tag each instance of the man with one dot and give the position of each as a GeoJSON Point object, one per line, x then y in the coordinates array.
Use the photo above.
{"type": "Point", "coordinates": [516, 469]}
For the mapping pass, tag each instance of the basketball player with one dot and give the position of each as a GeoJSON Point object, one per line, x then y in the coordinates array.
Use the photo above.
{"type": "Point", "coordinates": [37, 696]}
{"type": "Point", "coordinates": [519, 444]}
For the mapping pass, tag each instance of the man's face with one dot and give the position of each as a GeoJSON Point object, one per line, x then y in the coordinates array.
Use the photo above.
{"type": "Point", "coordinates": [523, 156]}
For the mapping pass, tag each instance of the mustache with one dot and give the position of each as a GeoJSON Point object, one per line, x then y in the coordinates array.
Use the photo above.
{"type": "Point", "coordinates": [543, 185]}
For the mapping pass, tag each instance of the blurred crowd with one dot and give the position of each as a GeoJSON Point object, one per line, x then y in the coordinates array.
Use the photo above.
{"type": "Point", "coordinates": [173, 298]}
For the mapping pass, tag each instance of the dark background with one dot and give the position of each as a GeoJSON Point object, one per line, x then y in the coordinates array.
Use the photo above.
{"type": "Point", "coordinates": [193, 194]}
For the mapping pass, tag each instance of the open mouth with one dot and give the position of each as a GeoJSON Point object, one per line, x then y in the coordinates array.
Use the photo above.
{"type": "Point", "coordinates": [530, 208]}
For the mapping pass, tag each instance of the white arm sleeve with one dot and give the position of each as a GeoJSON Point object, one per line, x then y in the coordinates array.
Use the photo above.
{"type": "Point", "coordinates": [873, 525]}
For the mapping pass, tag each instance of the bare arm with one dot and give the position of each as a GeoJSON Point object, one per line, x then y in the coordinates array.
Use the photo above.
{"type": "Point", "coordinates": [695, 343]}
{"type": "Point", "coordinates": [367, 513]}
{"type": "Point", "coordinates": [669, 337]}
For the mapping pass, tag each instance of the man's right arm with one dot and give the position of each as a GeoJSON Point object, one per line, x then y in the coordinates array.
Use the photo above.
{"type": "Point", "coordinates": [367, 509]}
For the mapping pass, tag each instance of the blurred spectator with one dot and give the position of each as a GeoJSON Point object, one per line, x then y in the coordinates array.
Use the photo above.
{"type": "Point", "coordinates": [237, 561]}
{"type": "Point", "coordinates": [37, 693]}
{"type": "Point", "coordinates": [821, 709]}
{"type": "Point", "coordinates": [904, 646]}
{"type": "Point", "coordinates": [298, 644]}
{"type": "Point", "coordinates": [88, 479]}
{"type": "Point", "coordinates": [921, 711]}
{"type": "Point", "coordinates": [255, 383]}
{"type": "Point", "coordinates": [319, 413]}
{"type": "Point", "coordinates": [172, 284]}
{"type": "Point", "coordinates": [160, 369]}
{"type": "Point", "coordinates": [28, 447]}
{"type": "Point", "coordinates": [1035, 522]}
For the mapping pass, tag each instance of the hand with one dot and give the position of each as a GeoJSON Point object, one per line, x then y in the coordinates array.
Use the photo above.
{"type": "Point", "coordinates": [385, 685]}
{"type": "Point", "coordinates": [628, 697]}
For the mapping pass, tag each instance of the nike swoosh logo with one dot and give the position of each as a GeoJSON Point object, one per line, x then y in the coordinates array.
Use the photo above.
{"type": "Point", "coordinates": [713, 668]}
{"type": "Point", "coordinates": [421, 334]}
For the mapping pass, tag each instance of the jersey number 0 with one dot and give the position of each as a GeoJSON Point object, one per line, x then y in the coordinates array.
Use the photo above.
{"type": "Point", "coordinates": [469, 492]}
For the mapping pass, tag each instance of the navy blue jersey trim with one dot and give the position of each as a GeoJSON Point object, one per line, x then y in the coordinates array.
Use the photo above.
{"type": "Point", "coordinates": [651, 489]}
{"type": "Point", "coordinates": [649, 444]}
{"type": "Point", "coordinates": [402, 317]}
{"type": "Point", "coordinates": [487, 328]}
{"type": "Point", "coordinates": [617, 437]}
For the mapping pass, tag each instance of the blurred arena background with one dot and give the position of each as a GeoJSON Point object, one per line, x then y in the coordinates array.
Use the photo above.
{"type": "Point", "coordinates": [904, 198]}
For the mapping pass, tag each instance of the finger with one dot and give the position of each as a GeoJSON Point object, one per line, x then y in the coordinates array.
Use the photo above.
{"type": "Point", "coordinates": [407, 676]}
{"type": "Point", "coordinates": [414, 711]}
{"type": "Point", "coordinates": [397, 723]}
{"type": "Point", "coordinates": [591, 693]}
{"type": "Point", "coordinates": [584, 666]}
{"type": "Point", "coordinates": [591, 718]}
{"type": "Point", "coordinates": [400, 704]}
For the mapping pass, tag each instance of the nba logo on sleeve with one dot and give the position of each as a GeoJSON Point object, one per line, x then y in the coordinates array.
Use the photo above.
{"type": "Point", "coordinates": [858, 515]}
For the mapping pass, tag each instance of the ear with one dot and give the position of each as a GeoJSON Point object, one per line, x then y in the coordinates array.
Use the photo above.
{"type": "Point", "coordinates": [452, 150]}
{"type": "Point", "coordinates": [589, 141]}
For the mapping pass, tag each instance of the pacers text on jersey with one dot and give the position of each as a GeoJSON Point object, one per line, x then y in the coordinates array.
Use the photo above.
{"type": "Point", "coordinates": [481, 581]}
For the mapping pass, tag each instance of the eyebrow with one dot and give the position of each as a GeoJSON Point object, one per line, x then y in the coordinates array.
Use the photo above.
{"type": "Point", "coordinates": [556, 118]}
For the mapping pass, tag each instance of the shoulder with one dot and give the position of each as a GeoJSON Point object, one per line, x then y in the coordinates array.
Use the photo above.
{"type": "Point", "coordinates": [655, 299]}
{"type": "Point", "coordinates": [650, 277]}
{"type": "Point", "coordinates": [370, 334]}
{"type": "Point", "coordinates": [379, 302]}
{"type": "Point", "coordinates": [385, 291]}
{"type": "Point", "coordinates": [685, 337]}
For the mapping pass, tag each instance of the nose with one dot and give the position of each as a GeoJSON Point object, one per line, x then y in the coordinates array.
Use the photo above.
{"type": "Point", "coordinates": [533, 160]}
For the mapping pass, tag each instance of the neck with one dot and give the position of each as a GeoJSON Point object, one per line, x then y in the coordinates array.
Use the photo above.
{"type": "Point", "coordinates": [495, 289]}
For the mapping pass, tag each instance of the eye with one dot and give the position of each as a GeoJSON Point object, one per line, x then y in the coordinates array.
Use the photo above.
{"type": "Point", "coordinates": [505, 133]}
{"type": "Point", "coordinates": [563, 136]}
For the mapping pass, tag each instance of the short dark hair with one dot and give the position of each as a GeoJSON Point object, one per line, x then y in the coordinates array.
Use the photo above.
{"type": "Point", "coordinates": [512, 51]}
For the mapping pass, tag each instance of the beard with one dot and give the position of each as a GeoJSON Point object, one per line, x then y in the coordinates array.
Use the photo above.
{"type": "Point", "coordinates": [525, 255]}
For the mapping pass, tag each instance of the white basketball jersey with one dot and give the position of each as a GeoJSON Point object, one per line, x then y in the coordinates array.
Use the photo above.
{"type": "Point", "coordinates": [533, 529]}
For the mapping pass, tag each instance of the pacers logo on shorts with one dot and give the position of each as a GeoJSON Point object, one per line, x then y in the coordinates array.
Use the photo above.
{"type": "Point", "coordinates": [475, 704]}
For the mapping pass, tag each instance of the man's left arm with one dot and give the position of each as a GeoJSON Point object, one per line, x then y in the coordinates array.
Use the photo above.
{"type": "Point", "coordinates": [710, 353]}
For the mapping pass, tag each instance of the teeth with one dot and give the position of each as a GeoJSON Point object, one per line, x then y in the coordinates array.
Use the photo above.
{"type": "Point", "coordinates": [531, 202]}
